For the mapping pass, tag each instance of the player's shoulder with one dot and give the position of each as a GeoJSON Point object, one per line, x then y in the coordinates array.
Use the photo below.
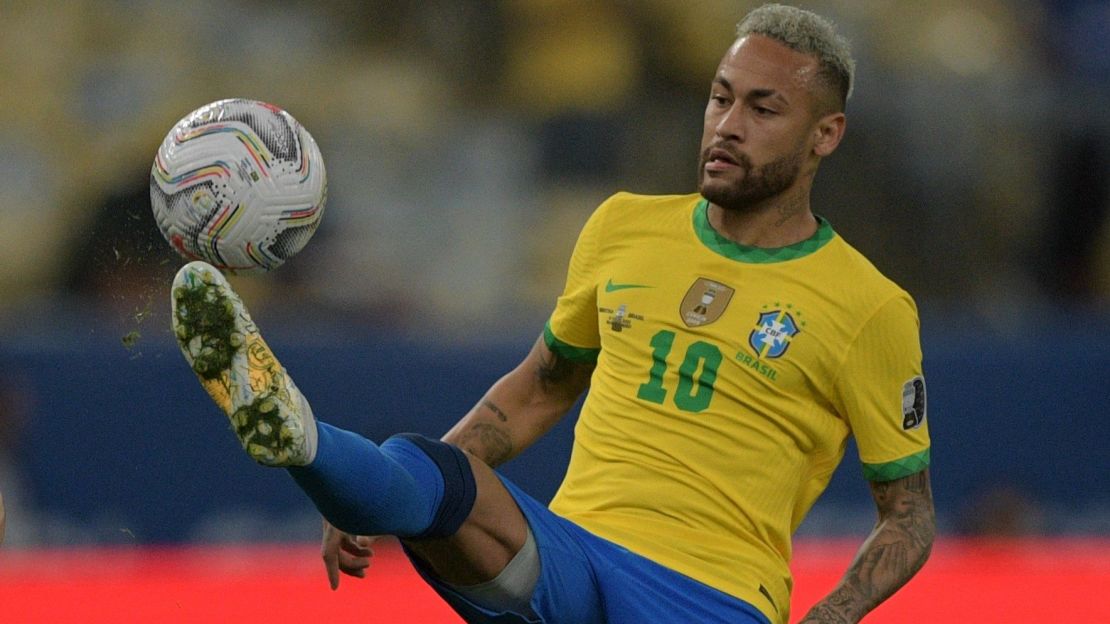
{"type": "Point", "coordinates": [859, 276]}
{"type": "Point", "coordinates": [633, 212]}
{"type": "Point", "coordinates": [625, 202]}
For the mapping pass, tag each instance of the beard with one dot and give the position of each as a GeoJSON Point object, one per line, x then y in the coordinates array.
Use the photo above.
{"type": "Point", "coordinates": [757, 184]}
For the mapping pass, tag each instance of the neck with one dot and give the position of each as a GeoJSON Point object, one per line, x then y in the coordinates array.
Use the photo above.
{"type": "Point", "coordinates": [778, 222]}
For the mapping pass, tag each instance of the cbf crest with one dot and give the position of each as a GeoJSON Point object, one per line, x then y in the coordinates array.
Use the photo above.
{"type": "Point", "coordinates": [773, 332]}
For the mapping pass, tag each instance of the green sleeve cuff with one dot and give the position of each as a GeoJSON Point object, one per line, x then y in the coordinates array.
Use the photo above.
{"type": "Point", "coordinates": [566, 351]}
{"type": "Point", "coordinates": [889, 471]}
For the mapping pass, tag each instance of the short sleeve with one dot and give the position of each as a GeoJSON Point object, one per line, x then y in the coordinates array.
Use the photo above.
{"type": "Point", "coordinates": [572, 329]}
{"type": "Point", "coordinates": [881, 392]}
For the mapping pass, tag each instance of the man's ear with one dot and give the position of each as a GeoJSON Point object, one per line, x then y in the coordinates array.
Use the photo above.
{"type": "Point", "coordinates": [828, 133]}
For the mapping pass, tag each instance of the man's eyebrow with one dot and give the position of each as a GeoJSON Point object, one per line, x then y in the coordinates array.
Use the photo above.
{"type": "Point", "coordinates": [758, 94]}
{"type": "Point", "coordinates": [754, 94]}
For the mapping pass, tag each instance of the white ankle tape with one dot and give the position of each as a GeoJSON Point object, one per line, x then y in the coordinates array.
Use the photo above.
{"type": "Point", "coordinates": [512, 589]}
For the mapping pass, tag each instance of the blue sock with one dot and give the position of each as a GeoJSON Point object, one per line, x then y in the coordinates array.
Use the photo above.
{"type": "Point", "coordinates": [366, 489]}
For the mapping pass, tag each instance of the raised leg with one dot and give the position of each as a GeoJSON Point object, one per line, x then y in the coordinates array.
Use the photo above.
{"type": "Point", "coordinates": [450, 508]}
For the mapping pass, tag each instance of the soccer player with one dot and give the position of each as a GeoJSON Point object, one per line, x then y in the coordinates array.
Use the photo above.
{"type": "Point", "coordinates": [730, 340]}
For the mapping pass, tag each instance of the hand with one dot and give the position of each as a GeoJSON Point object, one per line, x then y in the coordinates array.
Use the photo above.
{"type": "Point", "coordinates": [346, 553]}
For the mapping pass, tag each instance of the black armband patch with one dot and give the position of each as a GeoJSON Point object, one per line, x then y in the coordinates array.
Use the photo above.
{"type": "Point", "coordinates": [459, 488]}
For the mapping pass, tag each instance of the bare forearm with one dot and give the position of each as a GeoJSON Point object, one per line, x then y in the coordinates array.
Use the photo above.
{"type": "Point", "coordinates": [520, 407]}
{"type": "Point", "coordinates": [486, 433]}
{"type": "Point", "coordinates": [896, 549]}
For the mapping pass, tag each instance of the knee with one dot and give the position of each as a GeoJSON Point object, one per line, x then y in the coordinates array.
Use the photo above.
{"type": "Point", "coordinates": [459, 487]}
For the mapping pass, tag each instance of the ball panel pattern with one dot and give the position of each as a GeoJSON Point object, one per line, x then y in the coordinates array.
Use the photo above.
{"type": "Point", "coordinates": [239, 184]}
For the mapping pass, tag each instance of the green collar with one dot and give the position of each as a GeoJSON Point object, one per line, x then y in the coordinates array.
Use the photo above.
{"type": "Point", "coordinates": [757, 255]}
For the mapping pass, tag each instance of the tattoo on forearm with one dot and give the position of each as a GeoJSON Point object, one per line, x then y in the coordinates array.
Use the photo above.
{"type": "Point", "coordinates": [916, 483]}
{"type": "Point", "coordinates": [825, 613]}
{"type": "Point", "coordinates": [554, 371]}
{"type": "Point", "coordinates": [501, 415]}
{"type": "Point", "coordinates": [895, 551]}
{"type": "Point", "coordinates": [488, 442]}
{"type": "Point", "coordinates": [901, 542]}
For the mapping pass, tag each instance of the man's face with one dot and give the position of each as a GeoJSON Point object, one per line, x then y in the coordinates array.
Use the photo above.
{"type": "Point", "coordinates": [758, 124]}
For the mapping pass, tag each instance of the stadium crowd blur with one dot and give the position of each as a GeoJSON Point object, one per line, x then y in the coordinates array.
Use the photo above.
{"type": "Point", "coordinates": [467, 141]}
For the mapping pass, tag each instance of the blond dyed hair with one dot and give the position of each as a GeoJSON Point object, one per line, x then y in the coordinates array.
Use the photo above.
{"type": "Point", "coordinates": [810, 34]}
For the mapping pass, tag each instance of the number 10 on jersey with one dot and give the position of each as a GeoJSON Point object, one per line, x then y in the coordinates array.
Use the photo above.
{"type": "Point", "coordinates": [696, 374]}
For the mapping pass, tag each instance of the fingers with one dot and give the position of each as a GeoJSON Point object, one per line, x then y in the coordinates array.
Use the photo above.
{"type": "Point", "coordinates": [356, 546]}
{"type": "Point", "coordinates": [331, 564]}
{"type": "Point", "coordinates": [353, 558]}
{"type": "Point", "coordinates": [330, 552]}
{"type": "Point", "coordinates": [345, 553]}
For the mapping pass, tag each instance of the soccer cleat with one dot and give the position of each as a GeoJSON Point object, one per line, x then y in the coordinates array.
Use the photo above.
{"type": "Point", "coordinates": [269, 415]}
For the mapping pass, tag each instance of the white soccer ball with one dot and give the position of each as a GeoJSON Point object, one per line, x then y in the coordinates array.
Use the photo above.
{"type": "Point", "coordinates": [239, 184]}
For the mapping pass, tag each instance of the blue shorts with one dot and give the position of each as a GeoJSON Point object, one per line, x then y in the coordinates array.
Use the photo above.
{"type": "Point", "coordinates": [585, 579]}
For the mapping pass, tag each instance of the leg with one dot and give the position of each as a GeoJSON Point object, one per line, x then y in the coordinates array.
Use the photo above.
{"type": "Point", "coordinates": [450, 508]}
{"type": "Point", "coordinates": [357, 485]}
{"type": "Point", "coordinates": [453, 514]}
{"type": "Point", "coordinates": [492, 534]}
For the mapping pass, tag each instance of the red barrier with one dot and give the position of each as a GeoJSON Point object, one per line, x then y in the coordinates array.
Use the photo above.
{"type": "Point", "coordinates": [964, 582]}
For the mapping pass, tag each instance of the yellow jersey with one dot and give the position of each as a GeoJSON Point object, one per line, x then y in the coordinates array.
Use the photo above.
{"type": "Point", "coordinates": [728, 380]}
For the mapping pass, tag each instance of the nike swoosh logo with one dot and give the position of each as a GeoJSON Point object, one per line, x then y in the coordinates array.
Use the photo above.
{"type": "Point", "coordinates": [611, 287]}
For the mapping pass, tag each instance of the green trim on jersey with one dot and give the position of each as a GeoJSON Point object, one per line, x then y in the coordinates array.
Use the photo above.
{"type": "Point", "coordinates": [911, 464]}
{"type": "Point", "coordinates": [757, 255]}
{"type": "Point", "coordinates": [566, 351]}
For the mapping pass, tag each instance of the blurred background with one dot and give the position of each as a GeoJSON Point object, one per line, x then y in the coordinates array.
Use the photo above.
{"type": "Point", "coordinates": [466, 142]}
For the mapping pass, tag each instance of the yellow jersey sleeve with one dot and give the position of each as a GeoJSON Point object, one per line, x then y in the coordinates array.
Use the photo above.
{"type": "Point", "coordinates": [881, 391]}
{"type": "Point", "coordinates": [572, 330]}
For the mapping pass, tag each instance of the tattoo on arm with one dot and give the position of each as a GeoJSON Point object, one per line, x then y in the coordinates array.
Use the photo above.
{"type": "Point", "coordinates": [488, 442]}
{"type": "Point", "coordinates": [501, 415]}
{"type": "Point", "coordinates": [900, 543]}
{"type": "Point", "coordinates": [896, 549]}
{"type": "Point", "coordinates": [554, 370]}
{"type": "Point", "coordinates": [557, 375]}
{"type": "Point", "coordinates": [490, 434]}
{"type": "Point", "coordinates": [829, 611]}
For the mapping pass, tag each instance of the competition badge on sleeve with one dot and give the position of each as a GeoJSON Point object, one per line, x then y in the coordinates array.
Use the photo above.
{"type": "Point", "coordinates": [913, 403]}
